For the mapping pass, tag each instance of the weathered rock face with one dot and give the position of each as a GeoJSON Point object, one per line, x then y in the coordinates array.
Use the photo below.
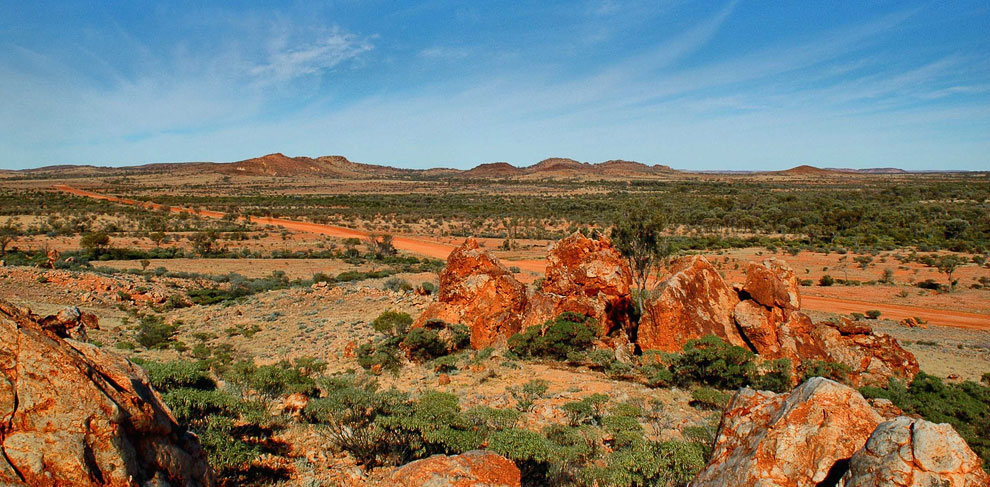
{"type": "Point", "coordinates": [472, 469]}
{"type": "Point", "coordinates": [907, 452]}
{"type": "Point", "coordinates": [584, 276]}
{"type": "Point", "coordinates": [802, 438]}
{"type": "Point", "coordinates": [72, 414]}
{"type": "Point", "coordinates": [873, 357]}
{"type": "Point", "coordinates": [476, 290]}
{"type": "Point", "coordinates": [773, 284]}
{"type": "Point", "coordinates": [692, 302]}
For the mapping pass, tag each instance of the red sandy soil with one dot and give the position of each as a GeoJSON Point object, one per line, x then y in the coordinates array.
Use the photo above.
{"type": "Point", "coordinates": [441, 250]}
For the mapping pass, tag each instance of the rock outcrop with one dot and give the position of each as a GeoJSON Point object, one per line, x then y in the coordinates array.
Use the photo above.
{"type": "Point", "coordinates": [72, 414]}
{"type": "Point", "coordinates": [826, 434]}
{"type": "Point", "coordinates": [692, 302]}
{"type": "Point", "coordinates": [471, 469]}
{"type": "Point", "coordinates": [773, 284]}
{"type": "Point", "coordinates": [872, 357]}
{"type": "Point", "coordinates": [907, 452]}
{"type": "Point", "coordinates": [476, 290]}
{"type": "Point", "coordinates": [799, 439]}
{"type": "Point", "coordinates": [584, 276]}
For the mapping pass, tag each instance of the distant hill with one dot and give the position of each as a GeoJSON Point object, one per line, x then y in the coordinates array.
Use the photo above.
{"type": "Point", "coordinates": [564, 168]}
{"type": "Point", "coordinates": [806, 170]}
{"type": "Point", "coordinates": [339, 167]}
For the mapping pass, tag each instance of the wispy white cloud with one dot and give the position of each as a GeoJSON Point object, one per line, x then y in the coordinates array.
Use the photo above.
{"type": "Point", "coordinates": [287, 62]}
{"type": "Point", "coordinates": [447, 53]}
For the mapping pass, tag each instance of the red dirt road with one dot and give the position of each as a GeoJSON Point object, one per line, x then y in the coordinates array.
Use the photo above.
{"type": "Point", "coordinates": [441, 251]}
{"type": "Point", "coordinates": [898, 312]}
{"type": "Point", "coordinates": [426, 248]}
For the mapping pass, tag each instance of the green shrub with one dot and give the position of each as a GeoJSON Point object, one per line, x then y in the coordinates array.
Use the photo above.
{"type": "Point", "coordinates": [826, 280]}
{"type": "Point", "coordinates": [491, 419]}
{"type": "Point", "coordinates": [351, 417]}
{"type": "Point", "coordinates": [713, 362]}
{"type": "Point", "coordinates": [532, 452]}
{"type": "Point", "coordinates": [528, 393]}
{"type": "Point", "coordinates": [274, 380]}
{"type": "Point", "coordinates": [434, 340]}
{"type": "Point", "coordinates": [225, 448]}
{"type": "Point", "coordinates": [569, 332]}
{"type": "Point", "coordinates": [774, 375]}
{"type": "Point", "coordinates": [873, 314]}
{"type": "Point", "coordinates": [382, 353]}
{"type": "Point", "coordinates": [153, 332]}
{"type": "Point", "coordinates": [437, 425]}
{"type": "Point", "coordinates": [710, 399]}
{"type": "Point", "coordinates": [668, 463]}
{"type": "Point", "coordinates": [392, 323]}
{"type": "Point", "coordinates": [422, 345]}
{"type": "Point", "coordinates": [829, 370]}
{"type": "Point", "coordinates": [178, 374]}
{"type": "Point", "coordinates": [588, 410]}
{"type": "Point", "coordinates": [189, 404]}
{"type": "Point", "coordinates": [428, 288]}
{"type": "Point", "coordinates": [398, 285]}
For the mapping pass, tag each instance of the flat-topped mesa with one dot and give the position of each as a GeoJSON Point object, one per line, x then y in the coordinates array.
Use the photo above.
{"type": "Point", "coordinates": [75, 415]}
{"type": "Point", "coordinates": [476, 290]}
{"type": "Point", "coordinates": [585, 276]}
{"type": "Point", "coordinates": [692, 302]}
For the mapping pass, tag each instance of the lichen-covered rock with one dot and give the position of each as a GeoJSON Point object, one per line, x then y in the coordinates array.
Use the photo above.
{"type": "Point", "coordinates": [798, 439]}
{"type": "Point", "coordinates": [476, 290]}
{"type": "Point", "coordinates": [759, 325]}
{"type": "Point", "coordinates": [872, 357]}
{"type": "Point", "coordinates": [908, 452]}
{"type": "Point", "coordinates": [693, 301]}
{"type": "Point", "coordinates": [472, 469]}
{"type": "Point", "coordinates": [72, 414]}
{"type": "Point", "coordinates": [772, 283]}
{"type": "Point", "coordinates": [584, 276]}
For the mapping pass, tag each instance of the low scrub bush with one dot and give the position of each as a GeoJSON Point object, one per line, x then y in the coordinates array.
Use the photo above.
{"type": "Point", "coordinates": [569, 332]}
{"type": "Point", "coordinates": [154, 333]}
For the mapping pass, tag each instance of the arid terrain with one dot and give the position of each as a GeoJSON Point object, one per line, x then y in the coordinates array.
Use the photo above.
{"type": "Point", "coordinates": [277, 279]}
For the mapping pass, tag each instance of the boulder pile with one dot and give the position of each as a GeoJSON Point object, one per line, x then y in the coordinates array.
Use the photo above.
{"type": "Point", "coordinates": [826, 434]}
{"type": "Point", "coordinates": [73, 415]}
{"type": "Point", "coordinates": [476, 468]}
{"type": "Point", "coordinates": [476, 290]}
{"type": "Point", "coordinates": [590, 277]}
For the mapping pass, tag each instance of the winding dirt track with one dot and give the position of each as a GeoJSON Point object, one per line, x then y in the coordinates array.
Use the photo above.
{"type": "Point", "coordinates": [441, 251]}
{"type": "Point", "coordinates": [426, 248]}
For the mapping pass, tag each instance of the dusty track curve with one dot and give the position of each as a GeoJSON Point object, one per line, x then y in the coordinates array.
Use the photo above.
{"type": "Point", "coordinates": [439, 250]}
{"type": "Point", "coordinates": [944, 317]}
{"type": "Point", "coordinates": [421, 247]}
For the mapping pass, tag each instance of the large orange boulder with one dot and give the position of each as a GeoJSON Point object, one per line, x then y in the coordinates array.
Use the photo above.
{"type": "Point", "coordinates": [475, 468]}
{"type": "Point", "coordinates": [799, 439]}
{"type": "Point", "coordinates": [585, 276]}
{"type": "Point", "coordinates": [776, 333]}
{"type": "Point", "coordinates": [476, 290]}
{"type": "Point", "coordinates": [909, 452]}
{"type": "Point", "coordinates": [72, 414]}
{"type": "Point", "coordinates": [773, 283]}
{"type": "Point", "coordinates": [872, 357]}
{"type": "Point", "coordinates": [693, 301]}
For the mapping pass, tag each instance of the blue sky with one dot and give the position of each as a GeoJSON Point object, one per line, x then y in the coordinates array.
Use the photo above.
{"type": "Point", "coordinates": [696, 85]}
